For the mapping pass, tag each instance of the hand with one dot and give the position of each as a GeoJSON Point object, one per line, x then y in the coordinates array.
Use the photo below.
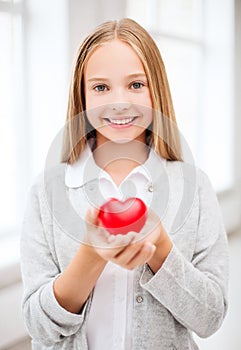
{"type": "Point", "coordinates": [128, 251]}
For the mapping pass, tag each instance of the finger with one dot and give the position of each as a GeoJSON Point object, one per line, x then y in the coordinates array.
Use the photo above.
{"type": "Point", "coordinates": [127, 254]}
{"type": "Point", "coordinates": [92, 216]}
{"type": "Point", "coordinates": [108, 253]}
{"type": "Point", "coordinates": [91, 222]}
{"type": "Point", "coordinates": [144, 255]}
{"type": "Point", "coordinates": [121, 241]}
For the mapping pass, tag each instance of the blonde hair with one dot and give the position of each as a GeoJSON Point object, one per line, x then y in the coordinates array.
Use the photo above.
{"type": "Point", "coordinates": [164, 136]}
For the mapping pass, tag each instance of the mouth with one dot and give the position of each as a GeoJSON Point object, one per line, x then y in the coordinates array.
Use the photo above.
{"type": "Point", "coordinates": [126, 121]}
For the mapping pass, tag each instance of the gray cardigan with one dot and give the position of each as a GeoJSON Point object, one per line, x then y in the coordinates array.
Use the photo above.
{"type": "Point", "coordinates": [188, 293]}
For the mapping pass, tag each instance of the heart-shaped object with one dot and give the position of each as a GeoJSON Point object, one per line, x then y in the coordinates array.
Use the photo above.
{"type": "Point", "coordinates": [122, 217]}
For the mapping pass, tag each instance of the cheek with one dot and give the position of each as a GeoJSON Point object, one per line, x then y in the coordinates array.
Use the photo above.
{"type": "Point", "coordinates": [146, 111]}
{"type": "Point", "coordinates": [143, 100]}
{"type": "Point", "coordinates": [89, 101]}
{"type": "Point", "coordinates": [93, 101]}
{"type": "Point", "coordinates": [148, 119]}
{"type": "Point", "coordinates": [94, 114]}
{"type": "Point", "coordinates": [149, 100]}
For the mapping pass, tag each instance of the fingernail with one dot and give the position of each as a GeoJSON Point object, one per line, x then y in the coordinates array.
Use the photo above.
{"type": "Point", "coordinates": [150, 246]}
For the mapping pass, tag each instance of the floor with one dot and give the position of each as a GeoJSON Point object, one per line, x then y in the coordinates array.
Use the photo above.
{"type": "Point", "coordinates": [229, 336]}
{"type": "Point", "coordinates": [24, 345]}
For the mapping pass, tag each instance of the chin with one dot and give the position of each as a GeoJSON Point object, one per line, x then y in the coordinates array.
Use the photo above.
{"type": "Point", "coordinates": [122, 140]}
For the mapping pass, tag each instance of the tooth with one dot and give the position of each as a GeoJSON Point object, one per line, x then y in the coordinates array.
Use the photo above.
{"type": "Point", "coordinates": [121, 121]}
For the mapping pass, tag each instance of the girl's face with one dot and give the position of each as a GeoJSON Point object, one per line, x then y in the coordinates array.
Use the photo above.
{"type": "Point", "coordinates": [118, 100]}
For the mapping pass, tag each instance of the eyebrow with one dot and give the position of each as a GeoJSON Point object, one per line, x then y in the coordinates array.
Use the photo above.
{"type": "Point", "coordinates": [96, 79]}
{"type": "Point", "coordinates": [137, 75]}
{"type": "Point", "coordinates": [130, 76]}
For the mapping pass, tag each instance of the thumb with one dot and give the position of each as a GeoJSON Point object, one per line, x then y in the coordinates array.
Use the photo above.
{"type": "Point", "coordinates": [92, 216]}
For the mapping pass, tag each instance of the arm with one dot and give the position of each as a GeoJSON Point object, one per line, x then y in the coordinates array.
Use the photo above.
{"type": "Point", "coordinates": [195, 291]}
{"type": "Point", "coordinates": [74, 285]}
{"type": "Point", "coordinates": [49, 318]}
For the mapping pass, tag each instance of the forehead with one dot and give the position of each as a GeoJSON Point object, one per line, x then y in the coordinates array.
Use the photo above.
{"type": "Point", "coordinates": [113, 55]}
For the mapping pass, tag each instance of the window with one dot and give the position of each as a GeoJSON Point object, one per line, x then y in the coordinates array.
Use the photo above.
{"type": "Point", "coordinates": [11, 108]}
{"type": "Point", "coordinates": [34, 70]}
{"type": "Point", "coordinates": [195, 38]}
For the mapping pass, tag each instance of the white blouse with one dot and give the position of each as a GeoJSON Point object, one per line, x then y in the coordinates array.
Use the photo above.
{"type": "Point", "coordinates": [110, 319]}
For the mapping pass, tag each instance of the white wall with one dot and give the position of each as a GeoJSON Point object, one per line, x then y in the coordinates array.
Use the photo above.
{"type": "Point", "coordinates": [237, 155]}
{"type": "Point", "coordinates": [47, 73]}
{"type": "Point", "coordinates": [84, 17]}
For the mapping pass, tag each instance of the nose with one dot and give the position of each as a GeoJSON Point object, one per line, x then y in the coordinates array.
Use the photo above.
{"type": "Point", "coordinates": [119, 107]}
{"type": "Point", "coordinates": [119, 100]}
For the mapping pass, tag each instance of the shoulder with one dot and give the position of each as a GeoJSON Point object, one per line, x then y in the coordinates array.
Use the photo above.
{"type": "Point", "coordinates": [188, 173]}
{"type": "Point", "coordinates": [192, 184]}
{"type": "Point", "coordinates": [193, 193]}
{"type": "Point", "coordinates": [48, 178]}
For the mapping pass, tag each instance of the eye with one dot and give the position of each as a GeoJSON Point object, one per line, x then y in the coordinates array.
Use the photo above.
{"type": "Point", "coordinates": [100, 88]}
{"type": "Point", "coordinates": [137, 85]}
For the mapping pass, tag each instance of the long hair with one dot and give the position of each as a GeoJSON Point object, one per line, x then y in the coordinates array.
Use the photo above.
{"type": "Point", "coordinates": [164, 136]}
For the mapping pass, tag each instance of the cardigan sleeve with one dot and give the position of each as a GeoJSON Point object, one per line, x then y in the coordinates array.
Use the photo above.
{"type": "Point", "coordinates": [46, 321]}
{"type": "Point", "coordinates": [195, 292]}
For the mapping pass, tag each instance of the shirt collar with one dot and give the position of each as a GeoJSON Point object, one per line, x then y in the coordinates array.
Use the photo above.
{"type": "Point", "coordinates": [85, 169]}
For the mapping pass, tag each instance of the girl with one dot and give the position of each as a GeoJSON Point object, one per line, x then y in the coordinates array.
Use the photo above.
{"type": "Point", "coordinates": [85, 288]}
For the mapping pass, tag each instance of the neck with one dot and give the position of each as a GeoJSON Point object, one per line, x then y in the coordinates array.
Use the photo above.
{"type": "Point", "coordinates": [119, 159]}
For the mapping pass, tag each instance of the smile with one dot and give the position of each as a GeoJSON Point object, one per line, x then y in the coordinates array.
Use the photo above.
{"type": "Point", "coordinates": [123, 121]}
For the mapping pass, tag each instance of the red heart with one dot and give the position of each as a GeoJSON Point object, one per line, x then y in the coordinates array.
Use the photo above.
{"type": "Point", "coordinates": [122, 217]}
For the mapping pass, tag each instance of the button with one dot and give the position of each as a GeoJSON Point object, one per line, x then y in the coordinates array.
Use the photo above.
{"type": "Point", "coordinates": [150, 188]}
{"type": "Point", "coordinates": [91, 188]}
{"type": "Point", "coordinates": [139, 299]}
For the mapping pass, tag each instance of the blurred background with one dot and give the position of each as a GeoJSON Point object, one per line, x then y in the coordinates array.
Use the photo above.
{"type": "Point", "coordinates": [200, 41]}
